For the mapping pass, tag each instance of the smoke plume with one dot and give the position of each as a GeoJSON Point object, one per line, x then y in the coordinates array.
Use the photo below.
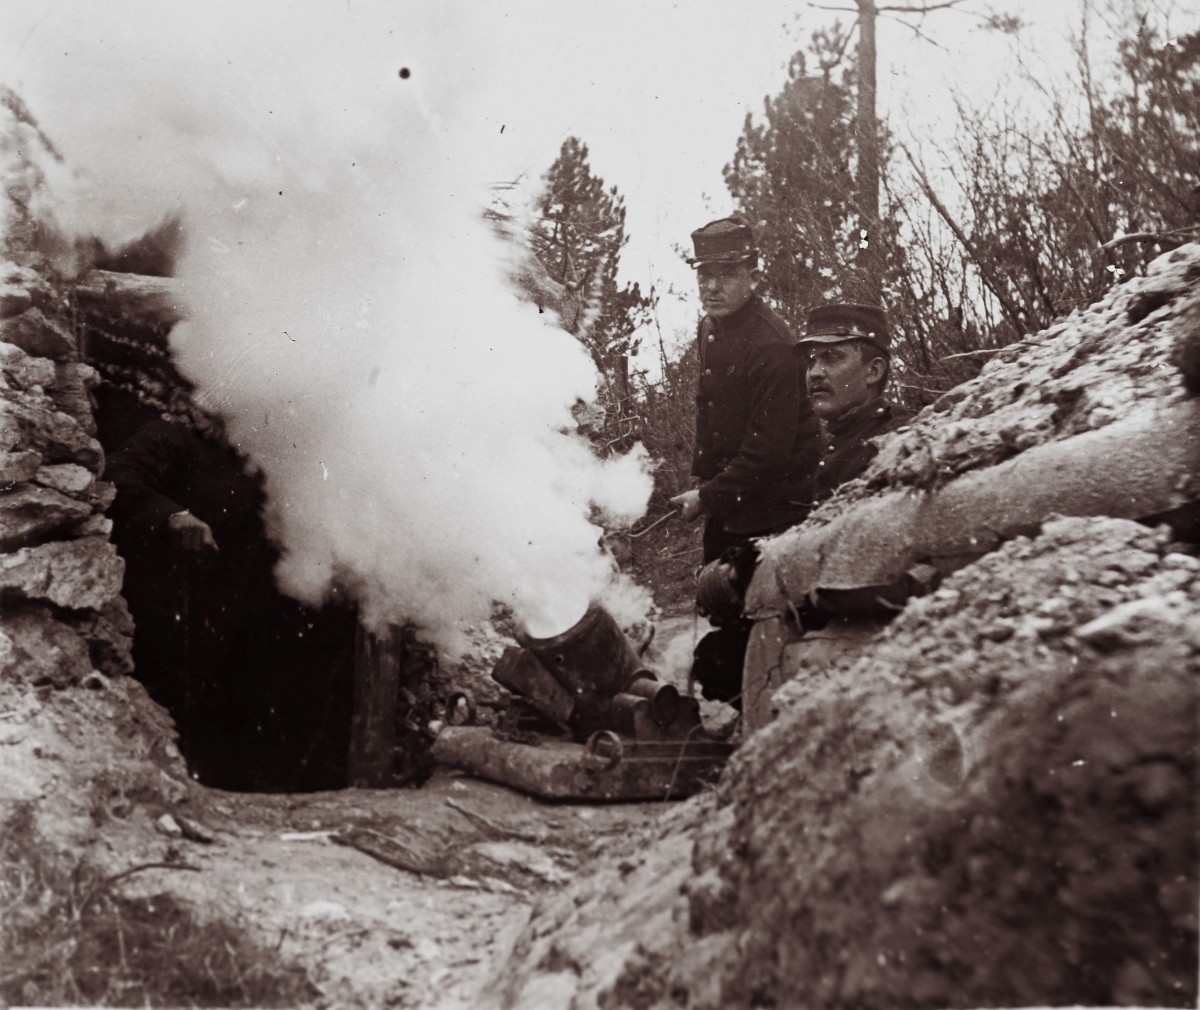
{"type": "Point", "coordinates": [348, 313]}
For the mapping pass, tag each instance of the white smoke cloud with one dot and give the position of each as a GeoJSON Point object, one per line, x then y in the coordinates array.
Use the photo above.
{"type": "Point", "coordinates": [347, 308]}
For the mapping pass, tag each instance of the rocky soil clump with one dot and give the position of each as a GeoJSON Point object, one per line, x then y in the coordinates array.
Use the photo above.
{"type": "Point", "coordinates": [994, 806]}
{"type": "Point", "coordinates": [64, 628]}
{"type": "Point", "coordinates": [1084, 372]}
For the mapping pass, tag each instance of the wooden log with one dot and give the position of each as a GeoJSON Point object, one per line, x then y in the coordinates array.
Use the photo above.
{"type": "Point", "coordinates": [1138, 467]}
{"type": "Point", "coordinates": [152, 304]}
{"type": "Point", "coordinates": [548, 769]}
{"type": "Point", "coordinates": [558, 769]}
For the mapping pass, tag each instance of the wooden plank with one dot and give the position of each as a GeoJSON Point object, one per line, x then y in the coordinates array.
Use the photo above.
{"type": "Point", "coordinates": [377, 663]}
{"type": "Point", "coordinates": [152, 304]}
{"type": "Point", "coordinates": [401, 848]}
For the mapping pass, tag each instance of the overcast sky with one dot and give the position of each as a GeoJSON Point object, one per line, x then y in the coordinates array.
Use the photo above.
{"type": "Point", "coordinates": [658, 89]}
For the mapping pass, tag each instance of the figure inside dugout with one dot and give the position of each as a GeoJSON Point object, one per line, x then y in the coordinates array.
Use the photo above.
{"type": "Point", "coordinates": [259, 685]}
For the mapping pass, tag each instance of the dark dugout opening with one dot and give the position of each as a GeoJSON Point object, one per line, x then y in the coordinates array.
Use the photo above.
{"type": "Point", "coordinates": [261, 687]}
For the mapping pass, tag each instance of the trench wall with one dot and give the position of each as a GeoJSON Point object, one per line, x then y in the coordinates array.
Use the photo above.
{"type": "Point", "coordinates": [74, 726]}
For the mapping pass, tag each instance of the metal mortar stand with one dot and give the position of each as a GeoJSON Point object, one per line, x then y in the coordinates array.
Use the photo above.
{"type": "Point", "coordinates": [609, 729]}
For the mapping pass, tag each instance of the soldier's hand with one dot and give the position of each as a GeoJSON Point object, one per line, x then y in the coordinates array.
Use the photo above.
{"type": "Point", "coordinates": [191, 534]}
{"type": "Point", "coordinates": [689, 504]}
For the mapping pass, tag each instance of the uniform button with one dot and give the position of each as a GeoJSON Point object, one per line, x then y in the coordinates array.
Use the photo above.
{"type": "Point", "coordinates": [821, 463]}
{"type": "Point", "coordinates": [711, 338]}
{"type": "Point", "coordinates": [708, 371]}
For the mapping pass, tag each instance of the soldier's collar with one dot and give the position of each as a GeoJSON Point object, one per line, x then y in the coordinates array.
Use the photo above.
{"type": "Point", "coordinates": [870, 409]}
{"type": "Point", "coordinates": [735, 318]}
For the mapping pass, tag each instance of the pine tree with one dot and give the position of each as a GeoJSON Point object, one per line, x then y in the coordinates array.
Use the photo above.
{"type": "Point", "coordinates": [577, 235]}
{"type": "Point", "coordinates": [792, 176]}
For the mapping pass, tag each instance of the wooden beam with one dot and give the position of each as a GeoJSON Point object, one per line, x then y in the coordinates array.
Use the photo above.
{"type": "Point", "coordinates": [150, 303]}
{"type": "Point", "coordinates": [377, 662]}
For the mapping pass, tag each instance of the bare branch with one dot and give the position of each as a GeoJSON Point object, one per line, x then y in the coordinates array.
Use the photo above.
{"type": "Point", "coordinates": [969, 354]}
{"type": "Point", "coordinates": [921, 389]}
{"type": "Point", "coordinates": [1149, 236]}
{"type": "Point", "coordinates": [642, 533]}
{"type": "Point", "coordinates": [993, 283]}
{"type": "Point", "coordinates": [142, 867]}
{"type": "Point", "coordinates": [926, 9]}
{"type": "Point", "coordinates": [918, 33]}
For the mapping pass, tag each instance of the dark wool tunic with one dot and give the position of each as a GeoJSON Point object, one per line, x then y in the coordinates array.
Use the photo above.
{"type": "Point", "coordinates": [846, 449]}
{"type": "Point", "coordinates": [756, 436]}
{"type": "Point", "coordinates": [165, 468]}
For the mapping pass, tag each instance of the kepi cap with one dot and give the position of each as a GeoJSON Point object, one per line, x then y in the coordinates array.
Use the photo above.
{"type": "Point", "coordinates": [835, 324]}
{"type": "Point", "coordinates": [726, 240]}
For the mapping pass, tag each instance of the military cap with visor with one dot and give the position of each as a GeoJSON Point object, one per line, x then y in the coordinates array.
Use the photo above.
{"type": "Point", "coordinates": [835, 324]}
{"type": "Point", "coordinates": [726, 240]}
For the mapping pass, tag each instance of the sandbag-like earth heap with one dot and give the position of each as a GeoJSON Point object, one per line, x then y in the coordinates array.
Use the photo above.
{"type": "Point", "coordinates": [993, 803]}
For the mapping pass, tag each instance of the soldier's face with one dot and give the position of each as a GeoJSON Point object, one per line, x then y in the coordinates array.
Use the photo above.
{"type": "Point", "coordinates": [841, 377]}
{"type": "Point", "coordinates": [726, 287]}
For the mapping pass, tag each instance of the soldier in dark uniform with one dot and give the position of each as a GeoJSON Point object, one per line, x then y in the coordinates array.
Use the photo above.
{"type": "Point", "coordinates": [755, 431]}
{"type": "Point", "coordinates": [846, 353]}
{"type": "Point", "coordinates": [756, 435]}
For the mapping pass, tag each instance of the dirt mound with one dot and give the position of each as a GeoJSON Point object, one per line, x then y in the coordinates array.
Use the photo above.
{"type": "Point", "coordinates": [1084, 372]}
{"type": "Point", "coordinates": [994, 802]}
{"type": "Point", "coordinates": [995, 806]}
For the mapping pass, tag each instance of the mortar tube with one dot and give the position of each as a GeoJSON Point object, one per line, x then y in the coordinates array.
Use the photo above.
{"type": "Point", "coordinates": [521, 672]}
{"type": "Point", "coordinates": [592, 660]}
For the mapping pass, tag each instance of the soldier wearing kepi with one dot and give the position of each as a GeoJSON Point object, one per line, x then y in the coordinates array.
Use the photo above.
{"type": "Point", "coordinates": [755, 447]}
{"type": "Point", "coordinates": [846, 351]}
{"type": "Point", "coordinates": [756, 436]}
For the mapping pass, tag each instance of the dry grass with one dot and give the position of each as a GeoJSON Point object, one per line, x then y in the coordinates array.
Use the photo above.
{"type": "Point", "coordinates": [68, 937]}
{"type": "Point", "coordinates": [665, 559]}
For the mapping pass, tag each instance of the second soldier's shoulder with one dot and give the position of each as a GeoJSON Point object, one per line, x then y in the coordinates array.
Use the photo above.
{"type": "Point", "coordinates": [897, 416]}
{"type": "Point", "coordinates": [770, 325]}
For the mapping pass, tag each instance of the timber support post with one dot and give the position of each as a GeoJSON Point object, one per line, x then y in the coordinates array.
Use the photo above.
{"type": "Point", "coordinates": [377, 664]}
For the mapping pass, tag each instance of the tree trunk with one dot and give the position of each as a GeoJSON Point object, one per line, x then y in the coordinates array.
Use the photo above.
{"type": "Point", "coordinates": [870, 259]}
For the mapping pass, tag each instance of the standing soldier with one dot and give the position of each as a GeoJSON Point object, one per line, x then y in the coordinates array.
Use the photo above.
{"type": "Point", "coordinates": [756, 435]}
